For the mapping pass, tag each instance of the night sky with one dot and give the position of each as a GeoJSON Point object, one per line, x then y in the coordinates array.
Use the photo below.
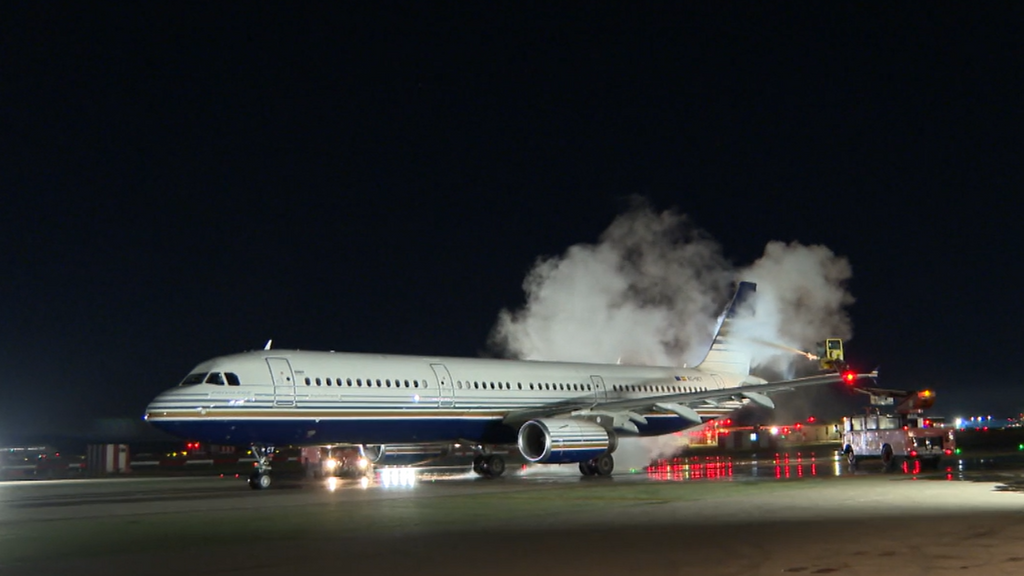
{"type": "Point", "coordinates": [188, 180]}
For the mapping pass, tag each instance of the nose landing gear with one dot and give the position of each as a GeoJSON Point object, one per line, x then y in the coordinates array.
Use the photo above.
{"type": "Point", "coordinates": [260, 478]}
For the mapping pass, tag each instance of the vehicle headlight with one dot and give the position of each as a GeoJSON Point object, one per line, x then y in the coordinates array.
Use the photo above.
{"type": "Point", "coordinates": [331, 463]}
{"type": "Point", "coordinates": [362, 463]}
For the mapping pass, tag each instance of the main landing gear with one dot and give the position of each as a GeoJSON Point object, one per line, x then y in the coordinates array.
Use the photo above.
{"type": "Point", "coordinates": [600, 466]}
{"type": "Point", "coordinates": [260, 478]}
{"type": "Point", "coordinates": [489, 466]}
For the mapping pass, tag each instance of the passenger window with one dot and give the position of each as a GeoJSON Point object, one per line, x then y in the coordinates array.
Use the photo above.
{"type": "Point", "coordinates": [308, 381]}
{"type": "Point", "coordinates": [359, 382]}
{"type": "Point", "coordinates": [328, 381]}
{"type": "Point", "coordinates": [348, 382]}
{"type": "Point", "coordinates": [388, 382]}
{"type": "Point", "coordinates": [378, 383]}
{"type": "Point", "coordinates": [520, 385]}
{"type": "Point", "coordinates": [318, 382]}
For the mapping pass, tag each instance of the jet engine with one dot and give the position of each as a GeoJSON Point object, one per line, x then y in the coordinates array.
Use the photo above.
{"type": "Point", "coordinates": [560, 440]}
{"type": "Point", "coordinates": [404, 454]}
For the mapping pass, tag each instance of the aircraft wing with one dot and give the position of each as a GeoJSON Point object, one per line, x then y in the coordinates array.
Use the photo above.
{"type": "Point", "coordinates": [627, 410]}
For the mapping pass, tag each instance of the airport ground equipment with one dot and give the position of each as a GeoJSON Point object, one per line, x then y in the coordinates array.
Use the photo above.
{"type": "Point", "coordinates": [830, 355]}
{"type": "Point", "coordinates": [339, 461]}
{"type": "Point", "coordinates": [905, 434]}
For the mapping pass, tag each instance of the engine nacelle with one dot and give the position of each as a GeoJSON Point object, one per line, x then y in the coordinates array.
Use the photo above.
{"type": "Point", "coordinates": [404, 454]}
{"type": "Point", "coordinates": [559, 440]}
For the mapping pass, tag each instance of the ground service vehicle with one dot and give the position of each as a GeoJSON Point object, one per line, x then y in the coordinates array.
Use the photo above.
{"type": "Point", "coordinates": [344, 462]}
{"type": "Point", "coordinates": [905, 435]}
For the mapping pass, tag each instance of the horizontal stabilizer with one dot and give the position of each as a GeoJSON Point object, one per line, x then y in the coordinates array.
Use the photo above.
{"type": "Point", "coordinates": [684, 412]}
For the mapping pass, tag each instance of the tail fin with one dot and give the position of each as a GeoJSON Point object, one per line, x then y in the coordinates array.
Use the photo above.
{"type": "Point", "coordinates": [724, 355]}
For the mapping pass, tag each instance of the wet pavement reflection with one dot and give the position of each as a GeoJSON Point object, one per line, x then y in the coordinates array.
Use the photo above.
{"type": "Point", "coordinates": [787, 466]}
{"type": "Point", "coordinates": [778, 466]}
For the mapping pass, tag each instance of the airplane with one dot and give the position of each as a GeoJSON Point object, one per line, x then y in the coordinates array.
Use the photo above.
{"type": "Point", "coordinates": [550, 412]}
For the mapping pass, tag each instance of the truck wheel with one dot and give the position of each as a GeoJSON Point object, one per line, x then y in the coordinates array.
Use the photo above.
{"type": "Point", "coordinates": [888, 459]}
{"type": "Point", "coordinates": [851, 457]}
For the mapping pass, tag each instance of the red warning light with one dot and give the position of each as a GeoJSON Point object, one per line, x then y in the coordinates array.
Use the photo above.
{"type": "Point", "coordinates": [810, 419]}
{"type": "Point", "coordinates": [849, 377]}
{"type": "Point", "coordinates": [728, 421]}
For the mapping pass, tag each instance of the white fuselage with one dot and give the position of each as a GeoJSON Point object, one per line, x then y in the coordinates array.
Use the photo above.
{"type": "Point", "coordinates": [295, 397]}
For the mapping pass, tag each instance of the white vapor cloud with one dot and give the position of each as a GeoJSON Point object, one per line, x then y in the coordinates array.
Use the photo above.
{"type": "Point", "coordinates": [651, 289]}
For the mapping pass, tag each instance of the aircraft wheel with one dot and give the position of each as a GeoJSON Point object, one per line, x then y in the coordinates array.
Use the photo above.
{"type": "Point", "coordinates": [258, 481]}
{"type": "Point", "coordinates": [604, 464]}
{"type": "Point", "coordinates": [495, 466]}
{"type": "Point", "coordinates": [587, 468]}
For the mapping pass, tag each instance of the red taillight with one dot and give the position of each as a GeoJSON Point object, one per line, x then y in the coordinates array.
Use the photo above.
{"type": "Point", "coordinates": [948, 452]}
{"type": "Point", "coordinates": [913, 453]}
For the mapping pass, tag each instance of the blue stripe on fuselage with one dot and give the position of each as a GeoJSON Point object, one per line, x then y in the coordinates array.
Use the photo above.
{"type": "Point", "coordinates": [368, 430]}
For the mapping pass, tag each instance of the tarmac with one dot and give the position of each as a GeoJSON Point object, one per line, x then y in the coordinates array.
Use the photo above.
{"type": "Point", "coordinates": [719, 516]}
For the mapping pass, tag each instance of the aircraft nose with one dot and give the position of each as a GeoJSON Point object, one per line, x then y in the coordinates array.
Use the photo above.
{"type": "Point", "coordinates": [166, 401]}
{"type": "Point", "coordinates": [156, 405]}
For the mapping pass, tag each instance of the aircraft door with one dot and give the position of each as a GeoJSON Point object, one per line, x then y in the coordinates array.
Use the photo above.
{"type": "Point", "coordinates": [600, 393]}
{"type": "Point", "coordinates": [445, 390]}
{"type": "Point", "coordinates": [284, 381]}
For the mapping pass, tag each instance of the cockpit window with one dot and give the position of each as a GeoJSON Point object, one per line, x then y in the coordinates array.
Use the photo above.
{"type": "Point", "coordinates": [193, 379]}
{"type": "Point", "coordinates": [232, 379]}
{"type": "Point", "coordinates": [215, 378]}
